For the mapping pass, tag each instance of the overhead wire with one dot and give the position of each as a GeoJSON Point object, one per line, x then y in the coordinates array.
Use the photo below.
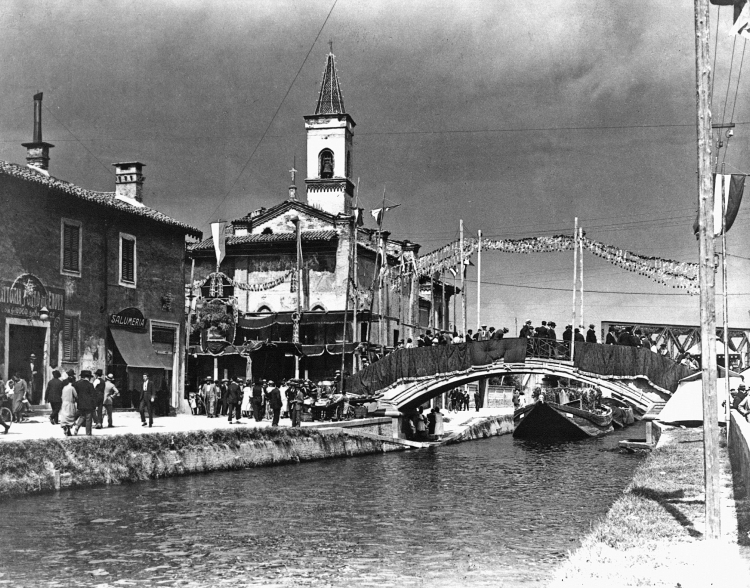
{"type": "Point", "coordinates": [273, 118]}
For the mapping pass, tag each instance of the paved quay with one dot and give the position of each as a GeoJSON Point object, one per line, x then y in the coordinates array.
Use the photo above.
{"type": "Point", "coordinates": [125, 423]}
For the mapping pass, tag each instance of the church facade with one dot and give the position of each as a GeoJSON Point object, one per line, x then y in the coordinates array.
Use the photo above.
{"type": "Point", "coordinates": [301, 282]}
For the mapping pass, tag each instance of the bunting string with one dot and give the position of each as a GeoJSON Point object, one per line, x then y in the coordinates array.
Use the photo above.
{"type": "Point", "coordinates": [218, 281]}
{"type": "Point", "coordinates": [669, 272]}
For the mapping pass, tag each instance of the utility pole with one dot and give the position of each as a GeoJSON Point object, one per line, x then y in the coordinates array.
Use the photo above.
{"type": "Point", "coordinates": [706, 270]}
{"type": "Point", "coordinates": [575, 287]}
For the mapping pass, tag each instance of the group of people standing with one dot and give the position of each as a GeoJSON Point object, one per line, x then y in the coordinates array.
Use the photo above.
{"type": "Point", "coordinates": [237, 397]}
{"type": "Point", "coordinates": [81, 401]}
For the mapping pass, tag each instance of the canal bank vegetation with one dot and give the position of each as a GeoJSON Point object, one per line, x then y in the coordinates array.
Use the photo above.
{"type": "Point", "coordinates": [43, 465]}
{"type": "Point", "coordinates": [653, 534]}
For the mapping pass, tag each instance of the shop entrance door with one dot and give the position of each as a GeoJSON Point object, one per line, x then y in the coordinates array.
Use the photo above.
{"type": "Point", "coordinates": [22, 342]}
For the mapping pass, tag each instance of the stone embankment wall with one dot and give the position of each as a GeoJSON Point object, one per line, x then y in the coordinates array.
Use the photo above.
{"type": "Point", "coordinates": [44, 465]}
{"type": "Point", "coordinates": [739, 448]}
{"type": "Point", "coordinates": [484, 427]}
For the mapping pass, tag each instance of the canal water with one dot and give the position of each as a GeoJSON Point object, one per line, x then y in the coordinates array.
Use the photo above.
{"type": "Point", "coordinates": [494, 512]}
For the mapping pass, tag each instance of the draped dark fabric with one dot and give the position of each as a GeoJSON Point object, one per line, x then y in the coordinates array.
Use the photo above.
{"type": "Point", "coordinates": [262, 320]}
{"type": "Point", "coordinates": [405, 365]}
{"type": "Point", "coordinates": [621, 361]}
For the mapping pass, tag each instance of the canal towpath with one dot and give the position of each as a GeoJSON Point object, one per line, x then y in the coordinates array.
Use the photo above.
{"type": "Point", "coordinates": [129, 423]}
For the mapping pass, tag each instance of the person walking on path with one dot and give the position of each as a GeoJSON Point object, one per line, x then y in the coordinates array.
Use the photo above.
{"type": "Point", "coordinates": [110, 391]}
{"type": "Point", "coordinates": [148, 398]}
{"type": "Point", "coordinates": [209, 397]}
{"type": "Point", "coordinates": [247, 394]}
{"type": "Point", "coordinates": [86, 401]}
{"type": "Point", "coordinates": [296, 407]}
{"type": "Point", "coordinates": [99, 388]}
{"type": "Point", "coordinates": [234, 393]}
{"type": "Point", "coordinates": [258, 402]}
{"type": "Point", "coordinates": [53, 396]}
{"type": "Point", "coordinates": [274, 401]}
{"type": "Point", "coordinates": [20, 389]}
{"type": "Point", "coordinates": [68, 410]}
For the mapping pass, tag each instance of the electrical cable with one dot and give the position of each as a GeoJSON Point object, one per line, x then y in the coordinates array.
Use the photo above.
{"type": "Point", "coordinates": [273, 118]}
{"type": "Point", "coordinates": [736, 92]}
{"type": "Point", "coordinates": [110, 173]}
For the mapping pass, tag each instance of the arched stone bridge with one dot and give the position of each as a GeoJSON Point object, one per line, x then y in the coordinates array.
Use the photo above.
{"type": "Point", "coordinates": [407, 378]}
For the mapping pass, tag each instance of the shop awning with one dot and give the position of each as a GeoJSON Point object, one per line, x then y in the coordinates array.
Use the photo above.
{"type": "Point", "coordinates": [137, 351]}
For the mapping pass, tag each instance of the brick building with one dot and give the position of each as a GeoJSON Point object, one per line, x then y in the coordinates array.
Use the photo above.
{"type": "Point", "coordinates": [287, 323]}
{"type": "Point", "coordinates": [89, 279]}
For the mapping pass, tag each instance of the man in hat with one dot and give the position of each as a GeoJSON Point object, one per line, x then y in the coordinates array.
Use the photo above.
{"type": "Point", "coordinates": [209, 397]}
{"type": "Point", "coordinates": [233, 398]}
{"type": "Point", "coordinates": [663, 349]}
{"type": "Point", "coordinates": [551, 330]}
{"type": "Point", "coordinates": [591, 335]}
{"type": "Point", "coordinates": [53, 395]}
{"type": "Point", "coordinates": [32, 369]}
{"type": "Point", "coordinates": [99, 388]}
{"type": "Point", "coordinates": [257, 401]}
{"type": "Point", "coordinates": [740, 396]}
{"type": "Point", "coordinates": [148, 398]}
{"type": "Point", "coordinates": [86, 401]}
{"type": "Point", "coordinates": [274, 401]}
{"type": "Point", "coordinates": [110, 391]}
{"type": "Point", "coordinates": [526, 331]}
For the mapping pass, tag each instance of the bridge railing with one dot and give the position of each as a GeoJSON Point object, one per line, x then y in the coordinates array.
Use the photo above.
{"type": "Point", "coordinates": [548, 349]}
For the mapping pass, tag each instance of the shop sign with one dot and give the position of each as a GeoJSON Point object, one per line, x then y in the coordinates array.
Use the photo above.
{"type": "Point", "coordinates": [129, 318]}
{"type": "Point", "coordinates": [27, 295]}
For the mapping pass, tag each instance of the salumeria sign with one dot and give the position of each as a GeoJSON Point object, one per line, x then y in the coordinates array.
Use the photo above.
{"type": "Point", "coordinates": [127, 321]}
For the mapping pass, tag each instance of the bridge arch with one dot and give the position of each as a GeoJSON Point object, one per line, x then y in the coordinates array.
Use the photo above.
{"type": "Point", "coordinates": [407, 396]}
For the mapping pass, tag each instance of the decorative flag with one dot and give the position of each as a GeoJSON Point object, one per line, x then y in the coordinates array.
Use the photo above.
{"type": "Point", "coordinates": [220, 246]}
{"type": "Point", "coordinates": [378, 213]}
{"type": "Point", "coordinates": [358, 216]}
{"type": "Point", "coordinates": [731, 187]}
{"type": "Point", "coordinates": [741, 22]}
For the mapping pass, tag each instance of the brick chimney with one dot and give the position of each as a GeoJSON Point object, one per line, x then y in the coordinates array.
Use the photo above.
{"type": "Point", "coordinates": [129, 181]}
{"type": "Point", "coordinates": [37, 152]}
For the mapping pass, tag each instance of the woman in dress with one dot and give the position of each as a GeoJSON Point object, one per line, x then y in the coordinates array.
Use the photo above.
{"type": "Point", "coordinates": [69, 408]}
{"type": "Point", "coordinates": [247, 396]}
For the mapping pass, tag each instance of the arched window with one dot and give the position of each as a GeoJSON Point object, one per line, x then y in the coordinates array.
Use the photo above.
{"type": "Point", "coordinates": [318, 308]}
{"type": "Point", "coordinates": [264, 308]}
{"type": "Point", "coordinates": [267, 231]}
{"type": "Point", "coordinates": [326, 163]}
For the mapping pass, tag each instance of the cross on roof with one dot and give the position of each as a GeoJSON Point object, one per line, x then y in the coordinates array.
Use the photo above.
{"type": "Point", "coordinates": [294, 174]}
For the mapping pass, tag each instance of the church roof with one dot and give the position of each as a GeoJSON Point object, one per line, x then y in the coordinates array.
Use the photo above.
{"type": "Point", "coordinates": [330, 100]}
{"type": "Point", "coordinates": [307, 236]}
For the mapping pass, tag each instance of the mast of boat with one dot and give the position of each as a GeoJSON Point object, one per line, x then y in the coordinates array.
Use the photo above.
{"type": "Point", "coordinates": [463, 276]}
{"type": "Point", "coordinates": [354, 280]}
{"type": "Point", "coordinates": [582, 324]}
{"type": "Point", "coordinates": [706, 267]}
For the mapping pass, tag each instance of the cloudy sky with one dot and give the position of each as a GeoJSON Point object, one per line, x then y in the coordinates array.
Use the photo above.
{"type": "Point", "coordinates": [515, 116]}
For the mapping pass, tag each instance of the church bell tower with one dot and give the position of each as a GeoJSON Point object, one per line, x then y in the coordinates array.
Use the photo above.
{"type": "Point", "coordinates": [329, 148]}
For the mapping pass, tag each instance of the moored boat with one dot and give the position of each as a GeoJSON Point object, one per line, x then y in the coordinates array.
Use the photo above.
{"type": "Point", "coordinates": [622, 413]}
{"type": "Point", "coordinates": [548, 420]}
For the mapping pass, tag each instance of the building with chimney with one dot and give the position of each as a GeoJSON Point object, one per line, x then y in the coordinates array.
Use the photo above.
{"type": "Point", "coordinates": [300, 282]}
{"type": "Point", "coordinates": [89, 280]}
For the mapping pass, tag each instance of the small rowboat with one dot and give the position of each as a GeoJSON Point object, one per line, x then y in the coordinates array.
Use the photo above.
{"type": "Point", "coordinates": [547, 420]}
{"type": "Point", "coordinates": [622, 413]}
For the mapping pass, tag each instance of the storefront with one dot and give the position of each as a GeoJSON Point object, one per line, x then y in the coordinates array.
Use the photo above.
{"type": "Point", "coordinates": [33, 317]}
{"type": "Point", "coordinates": [142, 346]}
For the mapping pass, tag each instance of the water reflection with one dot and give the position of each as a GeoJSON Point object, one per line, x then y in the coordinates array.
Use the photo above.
{"type": "Point", "coordinates": [485, 513]}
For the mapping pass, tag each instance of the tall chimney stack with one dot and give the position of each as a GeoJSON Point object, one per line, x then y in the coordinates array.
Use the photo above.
{"type": "Point", "coordinates": [37, 152]}
{"type": "Point", "coordinates": [129, 181]}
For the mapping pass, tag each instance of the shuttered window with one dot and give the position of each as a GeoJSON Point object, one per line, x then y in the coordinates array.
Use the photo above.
{"type": "Point", "coordinates": [71, 247]}
{"type": "Point", "coordinates": [127, 259]}
{"type": "Point", "coordinates": [70, 338]}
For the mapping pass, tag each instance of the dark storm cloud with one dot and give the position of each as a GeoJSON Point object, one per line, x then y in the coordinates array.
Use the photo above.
{"type": "Point", "coordinates": [189, 87]}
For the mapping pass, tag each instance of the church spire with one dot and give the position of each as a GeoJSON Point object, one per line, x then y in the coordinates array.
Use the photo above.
{"type": "Point", "coordinates": [330, 100]}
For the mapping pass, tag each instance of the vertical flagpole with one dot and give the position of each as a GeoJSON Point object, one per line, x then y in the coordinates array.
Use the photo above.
{"type": "Point", "coordinates": [724, 286]}
{"type": "Point", "coordinates": [463, 276]}
{"type": "Point", "coordinates": [479, 280]}
{"type": "Point", "coordinates": [455, 322]}
{"type": "Point", "coordinates": [431, 322]}
{"type": "Point", "coordinates": [443, 302]}
{"type": "Point", "coordinates": [580, 273]}
{"type": "Point", "coordinates": [575, 286]}
{"type": "Point", "coordinates": [706, 269]}
{"type": "Point", "coordinates": [355, 281]}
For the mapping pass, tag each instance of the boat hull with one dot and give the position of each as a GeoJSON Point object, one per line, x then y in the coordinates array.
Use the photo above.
{"type": "Point", "coordinates": [546, 420]}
